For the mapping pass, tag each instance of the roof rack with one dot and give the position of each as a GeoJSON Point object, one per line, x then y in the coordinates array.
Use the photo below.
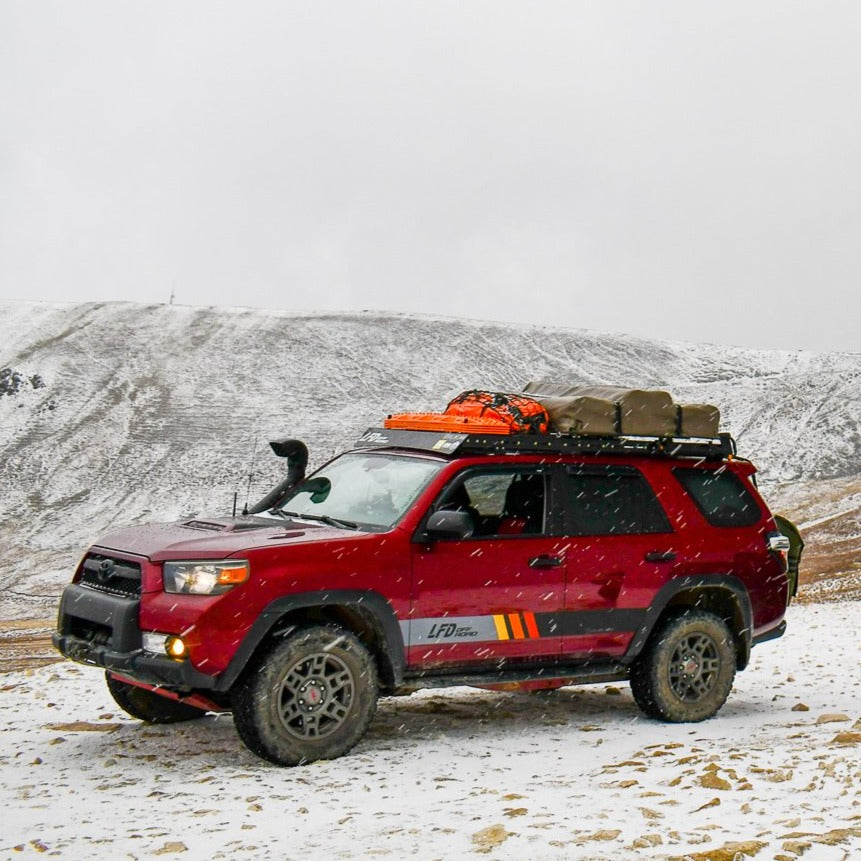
{"type": "Point", "coordinates": [717, 448]}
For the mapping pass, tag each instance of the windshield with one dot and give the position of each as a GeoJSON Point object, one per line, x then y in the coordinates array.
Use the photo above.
{"type": "Point", "coordinates": [368, 490]}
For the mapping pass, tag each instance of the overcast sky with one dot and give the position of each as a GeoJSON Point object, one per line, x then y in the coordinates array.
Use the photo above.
{"type": "Point", "coordinates": [684, 170]}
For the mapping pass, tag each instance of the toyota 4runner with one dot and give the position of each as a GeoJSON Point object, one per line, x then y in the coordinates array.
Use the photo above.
{"type": "Point", "coordinates": [430, 559]}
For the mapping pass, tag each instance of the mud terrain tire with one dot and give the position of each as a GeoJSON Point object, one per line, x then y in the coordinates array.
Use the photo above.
{"type": "Point", "coordinates": [147, 706]}
{"type": "Point", "coordinates": [311, 697]}
{"type": "Point", "coordinates": [686, 672]}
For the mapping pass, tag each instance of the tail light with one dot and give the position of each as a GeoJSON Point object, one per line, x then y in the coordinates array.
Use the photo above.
{"type": "Point", "coordinates": [778, 544]}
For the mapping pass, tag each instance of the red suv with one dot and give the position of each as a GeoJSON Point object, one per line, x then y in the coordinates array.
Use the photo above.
{"type": "Point", "coordinates": [428, 559]}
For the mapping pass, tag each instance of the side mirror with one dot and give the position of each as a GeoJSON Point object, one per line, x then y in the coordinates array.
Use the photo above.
{"type": "Point", "coordinates": [319, 488]}
{"type": "Point", "coordinates": [450, 524]}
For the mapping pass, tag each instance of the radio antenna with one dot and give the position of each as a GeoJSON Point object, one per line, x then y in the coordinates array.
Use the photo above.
{"type": "Point", "coordinates": [251, 468]}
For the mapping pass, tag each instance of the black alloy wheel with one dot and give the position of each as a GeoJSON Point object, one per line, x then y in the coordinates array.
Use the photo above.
{"type": "Point", "coordinates": [686, 671]}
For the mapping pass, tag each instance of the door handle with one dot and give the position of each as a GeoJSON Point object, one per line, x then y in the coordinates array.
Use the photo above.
{"type": "Point", "coordinates": [545, 561]}
{"type": "Point", "coordinates": [660, 556]}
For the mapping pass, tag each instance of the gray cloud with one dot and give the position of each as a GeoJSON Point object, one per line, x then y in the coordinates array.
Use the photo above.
{"type": "Point", "coordinates": [684, 170]}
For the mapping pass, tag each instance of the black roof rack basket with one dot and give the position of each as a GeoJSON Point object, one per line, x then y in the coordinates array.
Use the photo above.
{"type": "Point", "coordinates": [717, 448]}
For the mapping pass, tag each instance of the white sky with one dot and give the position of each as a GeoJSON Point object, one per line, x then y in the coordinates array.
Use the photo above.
{"type": "Point", "coordinates": [678, 170]}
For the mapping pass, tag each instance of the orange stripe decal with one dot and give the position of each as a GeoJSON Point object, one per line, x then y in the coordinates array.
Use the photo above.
{"type": "Point", "coordinates": [516, 627]}
{"type": "Point", "coordinates": [529, 618]}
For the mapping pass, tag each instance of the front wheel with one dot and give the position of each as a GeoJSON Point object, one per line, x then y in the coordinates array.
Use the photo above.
{"type": "Point", "coordinates": [311, 697]}
{"type": "Point", "coordinates": [687, 669]}
{"type": "Point", "coordinates": [145, 705]}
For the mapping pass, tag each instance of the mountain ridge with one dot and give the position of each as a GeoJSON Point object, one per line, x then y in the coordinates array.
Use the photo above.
{"type": "Point", "coordinates": [159, 411]}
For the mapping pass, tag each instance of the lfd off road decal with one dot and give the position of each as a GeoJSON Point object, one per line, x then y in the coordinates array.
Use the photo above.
{"type": "Point", "coordinates": [521, 625]}
{"type": "Point", "coordinates": [449, 629]}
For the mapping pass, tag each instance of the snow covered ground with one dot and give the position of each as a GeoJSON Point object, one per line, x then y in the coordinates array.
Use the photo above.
{"type": "Point", "coordinates": [575, 774]}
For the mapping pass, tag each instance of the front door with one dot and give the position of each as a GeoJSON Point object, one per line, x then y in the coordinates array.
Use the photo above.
{"type": "Point", "coordinates": [496, 594]}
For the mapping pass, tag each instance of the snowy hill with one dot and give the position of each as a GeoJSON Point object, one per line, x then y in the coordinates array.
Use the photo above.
{"type": "Point", "coordinates": [120, 412]}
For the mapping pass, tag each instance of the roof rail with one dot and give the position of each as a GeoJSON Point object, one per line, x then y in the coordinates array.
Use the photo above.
{"type": "Point", "coordinates": [717, 448]}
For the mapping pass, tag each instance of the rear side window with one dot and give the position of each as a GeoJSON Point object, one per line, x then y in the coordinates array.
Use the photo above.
{"type": "Point", "coordinates": [612, 501]}
{"type": "Point", "coordinates": [721, 496]}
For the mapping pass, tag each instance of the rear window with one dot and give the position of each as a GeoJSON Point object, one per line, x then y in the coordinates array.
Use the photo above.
{"type": "Point", "coordinates": [721, 496]}
{"type": "Point", "coordinates": [612, 501]}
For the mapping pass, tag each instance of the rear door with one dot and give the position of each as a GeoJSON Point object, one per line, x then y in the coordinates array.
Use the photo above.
{"type": "Point", "coordinates": [495, 595]}
{"type": "Point", "coordinates": [620, 548]}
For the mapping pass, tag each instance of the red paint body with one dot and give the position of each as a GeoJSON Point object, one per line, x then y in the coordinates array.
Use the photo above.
{"type": "Point", "coordinates": [475, 577]}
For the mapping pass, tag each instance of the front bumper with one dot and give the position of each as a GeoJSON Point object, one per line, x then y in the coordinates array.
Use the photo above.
{"type": "Point", "coordinates": [102, 630]}
{"type": "Point", "coordinates": [138, 666]}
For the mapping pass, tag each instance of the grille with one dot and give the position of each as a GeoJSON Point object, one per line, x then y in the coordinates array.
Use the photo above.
{"type": "Point", "coordinates": [113, 576]}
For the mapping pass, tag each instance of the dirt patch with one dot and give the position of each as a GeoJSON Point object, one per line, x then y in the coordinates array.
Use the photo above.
{"type": "Point", "coordinates": [26, 644]}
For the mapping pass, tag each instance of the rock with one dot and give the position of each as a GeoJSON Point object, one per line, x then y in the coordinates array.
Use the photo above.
{"type": "Point", "coordinates": [647, 841]}
{"type": "Point", "coordinates": [490, 837]}
{"type": "Point", "coordinates": [727, 852]}
{"type": "Point", "coordinates": [710, 780]}
{"type": "Point", "coordinates": [800, 707]}
{"type": "Point", "coordinates": [831, 718]}
{"type": "Point", "coordinates": [847, 738]}
{"type": "Point", "coordinates": [606, 834]}
{"type": "Point", "coordinates": [838, 835]}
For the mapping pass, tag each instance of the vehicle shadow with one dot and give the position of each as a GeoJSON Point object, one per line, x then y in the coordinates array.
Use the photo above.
{"type": "Point", "coordinates": [460, 712]}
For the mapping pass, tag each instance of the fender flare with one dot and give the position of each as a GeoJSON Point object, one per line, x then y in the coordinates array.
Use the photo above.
{"type": "Point", "coordinates": [726, 582]}
{"type": "Point", "coordinates": [367, 603]}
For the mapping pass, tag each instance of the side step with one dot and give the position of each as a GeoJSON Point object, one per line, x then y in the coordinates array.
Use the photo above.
{"type": "Point", "coordinates": [611, 671]}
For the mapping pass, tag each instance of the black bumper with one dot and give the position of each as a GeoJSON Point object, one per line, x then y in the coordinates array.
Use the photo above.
{"type": "Point", "coordinates": [139, 666]}
{"type": "Point", "coordinates": [771, 634]}
{"type": "Point", "coordinates": [102, 630]}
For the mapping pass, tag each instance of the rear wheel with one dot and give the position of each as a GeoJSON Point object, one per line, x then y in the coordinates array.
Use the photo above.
{"type": "Point", "coordinates": [148, 706]}
{"type": "Point", "coordinates": [687, 669]}
{"type": "Point", "coordinates": [311, 697]}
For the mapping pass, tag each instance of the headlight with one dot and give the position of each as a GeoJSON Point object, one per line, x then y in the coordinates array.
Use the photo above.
{"type": "Point", "coordinates": [204, 578]}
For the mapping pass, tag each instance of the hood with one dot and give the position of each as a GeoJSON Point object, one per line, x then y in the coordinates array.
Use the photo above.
{"type": "Point", "coordinates": [211, 538]}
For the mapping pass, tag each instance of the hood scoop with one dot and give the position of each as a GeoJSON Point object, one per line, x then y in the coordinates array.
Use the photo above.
{"type": "Point", "coordinates": [205, 525]}
{"type": "Point", "coordinates": [237, 525]}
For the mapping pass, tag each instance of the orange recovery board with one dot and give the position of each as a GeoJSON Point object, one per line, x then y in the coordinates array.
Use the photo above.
{"type": "Point", "coordinates": [447, 423]}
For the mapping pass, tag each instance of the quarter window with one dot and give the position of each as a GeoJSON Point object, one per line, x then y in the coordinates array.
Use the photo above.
{"type": "Point", "coordinates": [612, 501]}
{"type": "Point", "coordinates": [721, 496]}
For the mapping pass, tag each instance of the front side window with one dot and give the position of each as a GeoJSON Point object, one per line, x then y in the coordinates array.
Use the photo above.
{"type": "Point", "coordinates": [721, 496]}
{"type": "Point", "coordinates": [366, 490]}
{"type": "Point", "coordinates": [612, 501]}
{"type": "Point", "coordinates": [500, 502]}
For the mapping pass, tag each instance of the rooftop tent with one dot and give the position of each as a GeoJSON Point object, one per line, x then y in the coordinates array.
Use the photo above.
{"type": "Point", "coordinates": [606, 410]}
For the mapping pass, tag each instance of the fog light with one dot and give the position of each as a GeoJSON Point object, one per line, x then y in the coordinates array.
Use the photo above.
{"type": "Point", "coordinates": [153, 641]}
{"type": "Point", "coordinates": [176, 648]}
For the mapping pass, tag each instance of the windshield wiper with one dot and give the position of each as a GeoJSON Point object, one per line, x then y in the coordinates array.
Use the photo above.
{"type": "Point", "coordinates": [321, 518]}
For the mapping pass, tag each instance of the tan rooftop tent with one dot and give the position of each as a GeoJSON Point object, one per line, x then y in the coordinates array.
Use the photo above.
{"type": "Point", "coordinates": [611, 411]}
